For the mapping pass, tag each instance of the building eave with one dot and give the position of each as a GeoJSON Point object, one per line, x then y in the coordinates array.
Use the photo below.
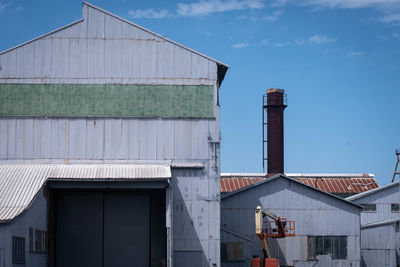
{"type": "Point", "coordinates": [227, 195]}
{"type": "Point", "coordinates": [372, 191]}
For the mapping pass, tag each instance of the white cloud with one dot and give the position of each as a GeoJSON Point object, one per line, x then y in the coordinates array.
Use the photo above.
{"type": "Point", "coordinates": [274, 16]}
{"type": "Point", "coordinates": [320, 39]}
{"type": "Point", "coordinates": [281, 44]}
{"type": "Point", "coordinates": [345, 4]}
{"type": "Point", "coordinates": [389, 8]}
{"type": "Point", "coordinates": [392, 18]}
{"type": "Point", "coordinates": [240, 45]}
{"type": "Point", "coordinates": [394, 35]}
{"type": "Point", "coordinates": [2, 7]}
{"type": "Point", "coordinates": [355, 54]}
{"type": "Point", "coordinates": [317, 39]}
{"type": "Point", "coordinates": [262, 43]}
{"type": "Point", "coordinates": [149, 13]}
{"type": "Point", "coordinates": [300, 42]}
{"type": "Point", "coordinates": [216, 6]}
{"type": "Point", "coordinates": [383, 37]}
{"type": "Point", "coordinates": [279, 3]}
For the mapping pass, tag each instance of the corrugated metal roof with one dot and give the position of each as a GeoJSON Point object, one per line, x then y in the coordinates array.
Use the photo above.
{"type": "Point", "coordinates": [281, 176]}
{"type": "Point", "coordinates": [19, 183]}
{"type": "Point", "coordinates": [331, 183]}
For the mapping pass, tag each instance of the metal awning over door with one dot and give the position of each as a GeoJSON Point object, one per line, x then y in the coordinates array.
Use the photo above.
{"type": "Point", "coordinates": [20, 183]}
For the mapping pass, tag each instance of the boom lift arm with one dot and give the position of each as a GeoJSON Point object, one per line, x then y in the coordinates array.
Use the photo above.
{"type": "Point", "coordinates": [259, 219]}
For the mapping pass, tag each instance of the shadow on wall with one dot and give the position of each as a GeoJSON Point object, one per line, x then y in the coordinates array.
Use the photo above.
{"type": "Point", "coordinates": [188, 215]}
{"type": "Point", "coordinates": [250, 242]}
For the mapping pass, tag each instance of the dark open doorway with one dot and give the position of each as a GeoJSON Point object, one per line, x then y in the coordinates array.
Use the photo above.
{"type": "Point", "coordinates": [107, 227]}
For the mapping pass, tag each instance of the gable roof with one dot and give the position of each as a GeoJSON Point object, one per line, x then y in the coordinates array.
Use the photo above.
{"type": "Point", "coordinates": [373, 191]}
{"type": "Point", "coordinates": [221, 70]}
{"type": "Point", "coordinates": [281, 176]}
{"type": "Point", "coordinates": [331, 183]}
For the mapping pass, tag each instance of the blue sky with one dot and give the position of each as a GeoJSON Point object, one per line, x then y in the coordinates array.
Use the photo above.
{"type": "Point", "coordinates": [338, 61]}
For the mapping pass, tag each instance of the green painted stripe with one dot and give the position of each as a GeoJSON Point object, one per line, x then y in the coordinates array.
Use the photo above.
{"type": "Point", "coordinates": [107, 100]}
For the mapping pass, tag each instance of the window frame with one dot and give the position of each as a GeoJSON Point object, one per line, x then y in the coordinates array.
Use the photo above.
{"type": "Point", "coordinates": [397, 209]}
{"type": "Point", "coordinates": [367, 207]}
{"type": "Point", "coordinates": [37, 241]}
{"type": "Point", "coordinates": [320, 244]}
{"type": "Point", "coordinates": [18, 250]}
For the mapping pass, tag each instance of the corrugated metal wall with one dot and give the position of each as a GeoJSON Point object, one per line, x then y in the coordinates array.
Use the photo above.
{"type": "Point", "coordinates": [103, 49]}
{"type": "Point", "coordinates": [55, 140]}
{"type": "Point", "coordinates": [383, 200]}
{"type": "Point", "coordinates": [315, 214]}
{"type": "Point", "coordinates": [380, 245]}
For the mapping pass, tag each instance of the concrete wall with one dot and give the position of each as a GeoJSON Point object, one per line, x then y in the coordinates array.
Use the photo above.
{"type": "Point", "coordinates": [102, 49]}
{"type": "Point", "coordinates": [315, 214]}
{"type": "Point", "coordinates": [34, 218]}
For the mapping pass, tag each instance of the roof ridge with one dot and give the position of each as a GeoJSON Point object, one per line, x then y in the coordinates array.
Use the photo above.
{"type": "Point", "coordinates": [154, 33]}
{"type": "Point", "coordinates": [277, 176]}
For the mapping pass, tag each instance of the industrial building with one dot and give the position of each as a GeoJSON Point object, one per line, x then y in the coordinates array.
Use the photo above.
{"type": "Point", "coordinates": [380, 225]}
{"type": "Point", "coordinates": [339, 184]}
{"type": "Point", "coordinates": [109, 148]}
{"type": "Point", "coordinates": [324, 224]}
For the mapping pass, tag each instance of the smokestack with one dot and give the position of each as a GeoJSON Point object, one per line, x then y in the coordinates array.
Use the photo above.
{"type": "Point", "coordinates": [274, 106]}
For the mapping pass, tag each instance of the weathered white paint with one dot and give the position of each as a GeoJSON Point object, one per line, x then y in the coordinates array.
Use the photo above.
{"type": "Point", "coordinates": [314, 212]}
{"type": "Point", "coordinates": [102, 48]}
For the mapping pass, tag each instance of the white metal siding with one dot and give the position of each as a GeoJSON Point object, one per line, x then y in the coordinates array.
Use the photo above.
{"type": "Point", "coordinates": [315, 213]}
{"type": "Point", "coordinates": [28, 139]}
{"type": "Point", "coordinates": [101, 48]}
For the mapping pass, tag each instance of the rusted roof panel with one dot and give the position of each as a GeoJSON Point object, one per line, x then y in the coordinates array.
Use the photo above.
{"type": "Point", "coordinates": [20, 183]}
{"type": "Point", "coordinates": [336, 184]}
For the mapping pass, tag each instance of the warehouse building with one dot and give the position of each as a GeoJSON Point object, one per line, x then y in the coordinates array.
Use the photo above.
{"type": "Point", "coordinates": [109, 148]}
{"type": "Point", "coordinates": [327, 227]}
{"type": "Point", "coordinates": [342, 185]}
{"type": "Point", "coordinates": [380, 225]}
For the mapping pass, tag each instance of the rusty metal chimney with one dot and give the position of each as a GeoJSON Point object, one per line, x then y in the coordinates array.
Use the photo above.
{"type": "Point", "coordinates": [274, 103]}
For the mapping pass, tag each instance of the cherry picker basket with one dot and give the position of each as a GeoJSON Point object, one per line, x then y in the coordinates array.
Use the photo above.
{"type": "Point", "coordinates": [271, 228]}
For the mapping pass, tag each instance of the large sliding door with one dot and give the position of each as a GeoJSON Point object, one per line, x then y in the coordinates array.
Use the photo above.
{"type": "Point", "coordinates": [79, 229]}
{"type": "Point", "coordinates": [102, 229]}
{"type": "Point", "coordinates": [126, 229]}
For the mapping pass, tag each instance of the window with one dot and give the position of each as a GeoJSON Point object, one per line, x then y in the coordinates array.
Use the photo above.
{"type": "Point", "coordinates": [232, 251]}
{"type": "Point", "coordinates": [336, 246]}
{"type": "Point", "coordinates": [18, 250]}
{"type": "Point", "coordinates": [37, 241]}
{"type": "Point", "coordinates": [395, 207]}
{"type": "Point", "coordinates": [369, 207]}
